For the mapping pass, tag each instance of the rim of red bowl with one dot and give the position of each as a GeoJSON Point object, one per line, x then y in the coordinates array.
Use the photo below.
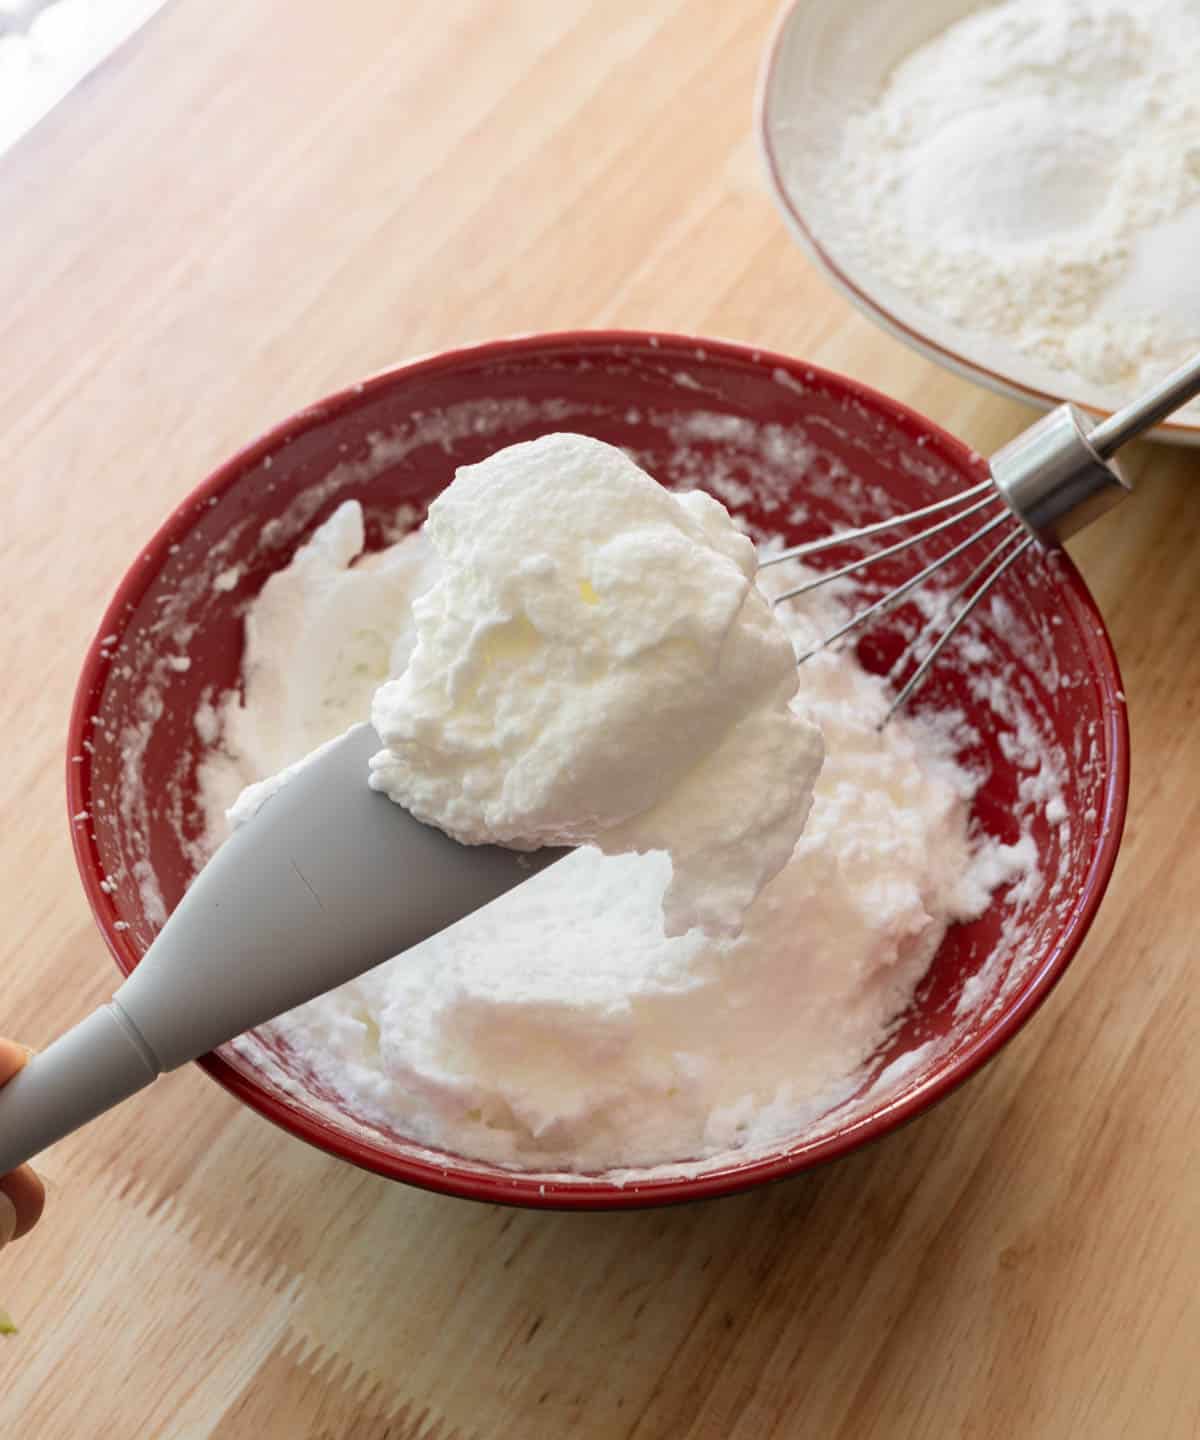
{"type": "Point", "coordinates": [454, 1177]}
{"type": "Point", "coordinates": [918, 340]}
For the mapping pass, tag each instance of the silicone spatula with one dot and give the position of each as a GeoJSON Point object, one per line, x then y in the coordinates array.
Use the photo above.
{"type": "Point", "coordinates": [327, 880]}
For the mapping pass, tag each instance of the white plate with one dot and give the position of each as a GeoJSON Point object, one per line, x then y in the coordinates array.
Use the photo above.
{"type": "Point", "coordinates": [827, 61]}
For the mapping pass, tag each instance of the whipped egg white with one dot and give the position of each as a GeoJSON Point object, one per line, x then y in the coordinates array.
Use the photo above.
{"type": "Point", "coordinates": [562, 1027]}
{"type": "Point", "coordinates": [595, 664]}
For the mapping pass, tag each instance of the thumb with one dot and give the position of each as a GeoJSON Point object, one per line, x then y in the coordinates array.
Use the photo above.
{"type": "Point", "coordinates": [12, 1058]}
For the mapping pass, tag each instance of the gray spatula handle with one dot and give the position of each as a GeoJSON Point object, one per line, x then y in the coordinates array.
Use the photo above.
{"type": "Point", "coordinates": [327, 881]}
{"type": "Point", "coordinates": [83, 1073]}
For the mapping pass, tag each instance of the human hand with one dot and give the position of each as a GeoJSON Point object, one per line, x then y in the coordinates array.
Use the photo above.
{"type": "Point", "coordinates": [21, 1193]}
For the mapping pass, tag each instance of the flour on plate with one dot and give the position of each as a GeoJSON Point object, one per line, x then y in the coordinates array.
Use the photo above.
{"type": "Point", "coordinates": [1032, 174]}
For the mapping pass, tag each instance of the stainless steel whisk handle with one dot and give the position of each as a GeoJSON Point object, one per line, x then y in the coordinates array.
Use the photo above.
{"type": "Point", "coordinates": [1054, 481]}
{"type": "Point", "coordinates": [1156, 404]}
{"type": "Point", "coordinates": [1058, 476]}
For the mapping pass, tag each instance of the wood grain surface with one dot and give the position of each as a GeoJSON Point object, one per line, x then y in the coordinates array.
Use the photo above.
{"type": "Point", "coordinates": [248, 206]}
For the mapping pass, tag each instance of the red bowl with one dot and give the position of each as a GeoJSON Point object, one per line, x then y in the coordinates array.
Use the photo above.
{"type": "Point", "coordinates": [793, 449]}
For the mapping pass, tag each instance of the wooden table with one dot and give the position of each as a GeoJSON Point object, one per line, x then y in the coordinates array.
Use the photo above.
{"type": "Point", "coordinates": [251, 205]}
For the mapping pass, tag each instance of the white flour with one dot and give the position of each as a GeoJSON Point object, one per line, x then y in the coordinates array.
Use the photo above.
{"type": "Point", "coordinates": [560, 1028]}
{"type": "Point", "coordinates": [1033, 173]}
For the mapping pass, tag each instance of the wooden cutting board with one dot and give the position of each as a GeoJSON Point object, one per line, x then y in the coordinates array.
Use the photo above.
{"type": "Point", "coordinates": [250, 205]}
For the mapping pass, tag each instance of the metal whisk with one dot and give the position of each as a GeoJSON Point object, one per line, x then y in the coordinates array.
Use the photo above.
{"type": "Point", "coordinates": [1047, 484]}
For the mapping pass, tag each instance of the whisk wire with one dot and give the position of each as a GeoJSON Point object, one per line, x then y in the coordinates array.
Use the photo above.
{"type": "Point", "coordinates": [893, 597]}
{"type": "Point", "coordinates": [864, 560]}
{"type": "Point", "coordinates": [879, 527]}
{"type": "Point", "coordinates": [948, 634]}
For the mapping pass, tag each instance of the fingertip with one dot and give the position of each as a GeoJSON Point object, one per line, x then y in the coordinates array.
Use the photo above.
{"type": "Point", "coordinates": [28, 1196]}
{"type": "Point", "coordinates": [12, 1058]}
{"type": "Point", "coordinates": [22, 1187]}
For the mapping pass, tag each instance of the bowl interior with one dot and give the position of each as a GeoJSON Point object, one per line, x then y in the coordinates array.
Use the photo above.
{"type": "Point", "coordinates": [827, 63]}
{"type": "Point", "coordinates": [789, 448]}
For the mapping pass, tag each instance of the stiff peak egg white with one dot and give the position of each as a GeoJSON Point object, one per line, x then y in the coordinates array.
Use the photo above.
{"type": "Point", "coordinates": [596, 664]}
{"type": "Point", "coordinates": [559, 1028]}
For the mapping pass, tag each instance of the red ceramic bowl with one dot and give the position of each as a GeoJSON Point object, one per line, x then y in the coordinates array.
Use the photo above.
{"type": "Point", "coordinates": [791, 447]}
